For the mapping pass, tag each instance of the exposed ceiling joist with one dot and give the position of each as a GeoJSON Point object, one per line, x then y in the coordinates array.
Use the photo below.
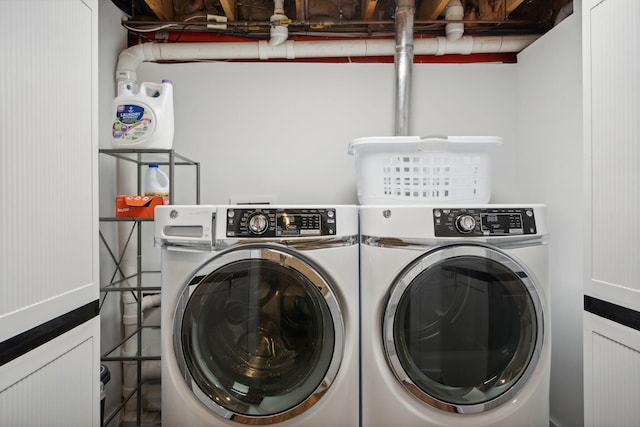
{"type": "Point", "coordinates": [492, 10]}
{"type": "Point", "coordinates": [162, 8]}
{"type": "Point", "coordinates": [512, 5]}
{"type": "Point", "coordinates": [368, 8]}
{"type": "Point", "coordinates": [365, 18]}
{"type": "Point", "coordinates": [299, 11]}
{"type": "Point", "coordinates": [431, 9]}
{"type": "Point", "coordinates": [229, 7]}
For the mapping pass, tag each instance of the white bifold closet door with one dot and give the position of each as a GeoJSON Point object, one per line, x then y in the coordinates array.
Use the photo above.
{"type": "Point", "coordinates": [49, 323]}
{"type": "Point", "coordinates": [611, 48]}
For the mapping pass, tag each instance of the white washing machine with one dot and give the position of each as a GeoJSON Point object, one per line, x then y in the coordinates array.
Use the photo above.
{"type": "Point", "coordinates": [455, 316]}
{"type": "Point", "coordinates": [259, 315]}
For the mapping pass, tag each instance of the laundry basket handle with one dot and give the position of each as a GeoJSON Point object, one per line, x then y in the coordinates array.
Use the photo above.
{"type": "Point", "coordinates": [433, 143]}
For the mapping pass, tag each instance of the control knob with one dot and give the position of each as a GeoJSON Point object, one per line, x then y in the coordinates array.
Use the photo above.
{"type": "Point", "coordinates": [465, 223]}
{"type": "Point", "coordinates": [258, 223]}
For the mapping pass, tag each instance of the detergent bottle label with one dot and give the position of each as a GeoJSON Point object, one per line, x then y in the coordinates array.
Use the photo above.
{"type": "Point", "coordinates": [132, 122]}
{"type": "Point", "coordinates": [143, 117]}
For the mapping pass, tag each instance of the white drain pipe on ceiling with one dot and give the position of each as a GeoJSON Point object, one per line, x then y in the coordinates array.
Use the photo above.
{"type": "Point", "coordinates": [130, 58]}
{"type": "Point", "coordinates": [279, 32]}
{"type": "Point", "coordinates": [454, 12]}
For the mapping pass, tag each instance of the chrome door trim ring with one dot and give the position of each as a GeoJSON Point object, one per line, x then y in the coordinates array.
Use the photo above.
{"type": "Point", "coordinates": [304, 266]}
{"type": "Point", "coordinates": [397, 290]}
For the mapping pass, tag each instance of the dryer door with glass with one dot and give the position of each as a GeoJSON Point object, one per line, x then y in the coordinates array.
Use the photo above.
{"type": "Point", "coordinates": [463, 328]}
{"type": "Point", "coordinates": [259, 333]}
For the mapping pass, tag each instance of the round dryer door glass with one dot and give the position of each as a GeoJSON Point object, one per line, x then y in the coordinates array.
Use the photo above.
{"type": "Point", "coordinates": [260, 334]}
{"type": "Point", "coordinates": [463, 328]}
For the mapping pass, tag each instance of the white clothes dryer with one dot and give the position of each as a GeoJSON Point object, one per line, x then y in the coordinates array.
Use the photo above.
{"type": "Point", "coordinates": [455, 316]}
{"type": "Point", "coordinates": [259, 315]}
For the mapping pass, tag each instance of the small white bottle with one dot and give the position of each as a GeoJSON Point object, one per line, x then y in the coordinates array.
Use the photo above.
{"type": "Point", "coordinates": [156, 182]}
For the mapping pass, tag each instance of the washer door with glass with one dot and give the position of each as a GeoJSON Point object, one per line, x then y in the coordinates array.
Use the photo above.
{"type": "Point", "coordinates": [463, 328]}
{"type": "Point", "coordinates": [259, 334]}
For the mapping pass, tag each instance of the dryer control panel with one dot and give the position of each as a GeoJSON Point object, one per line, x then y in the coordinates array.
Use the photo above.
{"type": "Point", "coordinates": [280, 222]}
{"type": "Point", "coordinates": [479, 222]}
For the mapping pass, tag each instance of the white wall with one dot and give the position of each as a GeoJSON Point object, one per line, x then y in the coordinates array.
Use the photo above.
{"type": "Point", "coordinates": [283, 129]}
{"type": "Point", "coordinates": [550, 170]}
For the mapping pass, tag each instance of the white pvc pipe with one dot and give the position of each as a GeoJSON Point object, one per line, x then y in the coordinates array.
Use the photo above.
{"type": "Point", "coordinates": [454, 12]}
{"type": "Point", "coordinates": [150, 301]}
{"type": "Point", "coordinates": [129, 348]}
{"type": "Point", "coordinates": [130, 319]}
{"type": "Point", "coordinates": [150, 369]}
{"type": "Point", "coordinates": [130, 58]}
{"type": "Point", "coordinates": [279, 33]}
{"type": "Point", "coordinates": [126, 179]}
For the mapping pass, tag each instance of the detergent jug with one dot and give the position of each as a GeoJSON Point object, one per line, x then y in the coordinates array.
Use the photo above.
{"type": "Point", "coordinates": [156, 182]}
{"type": "Point", "coordinates": [143, 118]}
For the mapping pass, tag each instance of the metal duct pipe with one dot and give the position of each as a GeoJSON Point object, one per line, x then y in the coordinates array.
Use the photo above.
{"type": "Point", "coordinates": [405, 11]}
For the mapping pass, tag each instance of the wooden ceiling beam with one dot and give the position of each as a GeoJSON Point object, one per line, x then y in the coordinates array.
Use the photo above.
{"type": "Point", "coordinates": [431, 9]}
{"type": "Point", "coordinates": [163, 9]}
{"type": "Point", "coordinates": [368, 8]}
{"type": "Point", "coordinates": [229, 7]}
{"type": "Point", "coordinates": [513, 5]}
{"type": "Point", "coordinates": [492, 10]}
{"type": "Point", "coordinates": [298, 10]}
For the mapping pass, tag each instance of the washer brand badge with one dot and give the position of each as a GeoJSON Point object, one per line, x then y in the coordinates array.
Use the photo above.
{"type": "Point", "coordinates": [130, 114]}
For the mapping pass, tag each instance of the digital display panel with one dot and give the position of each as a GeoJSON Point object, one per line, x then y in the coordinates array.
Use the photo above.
{"type": "Point", "coordinates": [299, 224]}
{"type": "Point", "coordinates": [501, 223]}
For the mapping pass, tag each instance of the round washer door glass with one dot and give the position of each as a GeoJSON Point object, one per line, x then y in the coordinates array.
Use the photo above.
{"type": "Point", "coordinates": [463, 328]}
{"type": "Point", "coordinates": [260, 334]}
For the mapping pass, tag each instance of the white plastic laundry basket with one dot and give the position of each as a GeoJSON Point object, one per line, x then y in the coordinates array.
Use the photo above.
{"type": "Point", "coordinates": [417, 170]}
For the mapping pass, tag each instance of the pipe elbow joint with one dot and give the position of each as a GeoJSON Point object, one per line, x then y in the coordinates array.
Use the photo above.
{"type": "Point", "coordinates": [128, 61]}
{"type": "Point", "coordinates": [279, 31]}
{"type": "Point", "coordinates": [279, 35]}
{"type": "Point", "coordinates": [454, 12]}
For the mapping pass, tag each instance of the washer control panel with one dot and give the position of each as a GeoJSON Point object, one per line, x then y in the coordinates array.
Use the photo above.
{"type": "Point", "coordinates": [280, 222]}
{"type": "Point", "coordinates": [478, 222]}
